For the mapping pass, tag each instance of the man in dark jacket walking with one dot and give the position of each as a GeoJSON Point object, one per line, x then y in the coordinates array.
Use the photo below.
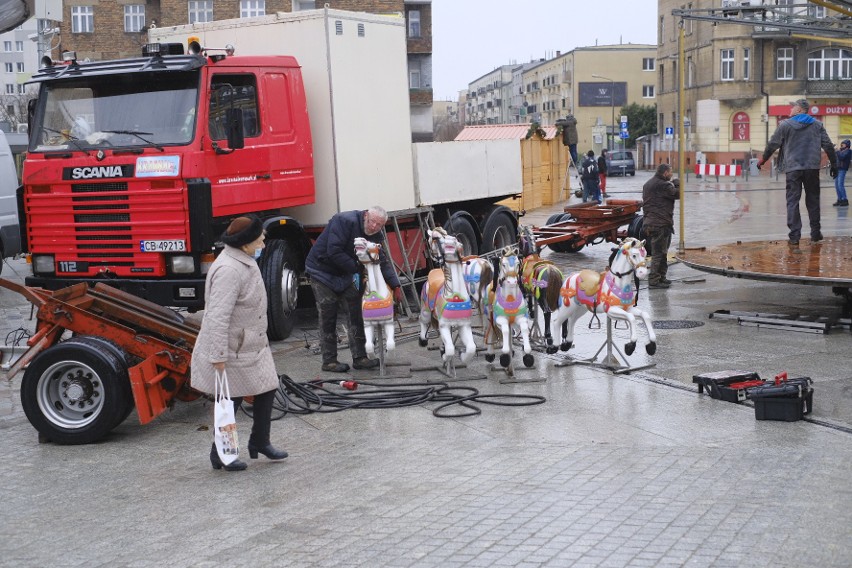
{"type": "Point", "coordinates": [658, 197]}
{"type": "Point", "coordinates": [800, 137]}
{"type": "Point", "coordinates": [335, 273]}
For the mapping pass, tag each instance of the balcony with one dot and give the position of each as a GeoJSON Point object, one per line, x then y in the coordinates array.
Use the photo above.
{"type": "Point", "coordinates": [841, 88]}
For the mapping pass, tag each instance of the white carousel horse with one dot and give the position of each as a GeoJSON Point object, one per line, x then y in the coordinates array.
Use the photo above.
{"type": "Point", "coordinates": [505, 309]}
{"type": "Point", "coordinates": [444, 299]}
{"type": "Point", "coordinates": [377, 301]}
{"type": "Point", "coordinates": [541, 281]}
{"type": "Point", "coordinates": [612, 291]}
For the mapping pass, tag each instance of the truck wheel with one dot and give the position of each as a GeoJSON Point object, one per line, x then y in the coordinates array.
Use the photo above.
{"type": "Point", "coordinates": [75, 392]}
{"type": "Point", "coordinates": [278, 266]}
{"type": "Point", "coordinates": [461, 228]}
{"type": "Point", "coordinates": [634, 229]}
{"type": "Point", "coordinates": [102, 344]}
{"type": "Point", "coordinates": [499, 231]}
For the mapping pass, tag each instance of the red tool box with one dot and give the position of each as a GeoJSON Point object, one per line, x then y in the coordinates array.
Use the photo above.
{"type": "Point", "coordinates": [728, 385]}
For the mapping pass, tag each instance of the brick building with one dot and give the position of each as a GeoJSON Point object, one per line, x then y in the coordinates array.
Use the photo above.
{"type": "Point", "coordinates": [110, 29]}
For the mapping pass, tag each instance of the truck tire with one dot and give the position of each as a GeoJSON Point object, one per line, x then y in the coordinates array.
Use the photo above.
{"type": "Point", "coordinates": [279, 268]}
{"type": "Point", "coordinates": [500, 230]}
{"type": "Point", "coordinates": [75, 392]}
{"type": "Point", "coordinates": [105, 344]}
{"type": "Point", "coordinates": [462, 229]}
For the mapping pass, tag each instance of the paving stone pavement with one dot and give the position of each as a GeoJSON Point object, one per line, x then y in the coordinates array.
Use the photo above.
{"type": "Point", "coordinates": [613, 470]}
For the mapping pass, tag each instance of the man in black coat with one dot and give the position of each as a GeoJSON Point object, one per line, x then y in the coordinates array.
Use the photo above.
{"type": "Point", "coordinates": [658, 197]}
{"type": "Point", "coordinates": [335, 272]}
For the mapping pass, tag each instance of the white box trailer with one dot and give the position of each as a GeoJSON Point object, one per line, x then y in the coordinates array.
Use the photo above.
{"type": "Point", "coordinates": [355, 72]}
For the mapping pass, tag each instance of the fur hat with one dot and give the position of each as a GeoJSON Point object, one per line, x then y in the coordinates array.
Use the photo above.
{"type": "Point", "coordinates": [242, 231]}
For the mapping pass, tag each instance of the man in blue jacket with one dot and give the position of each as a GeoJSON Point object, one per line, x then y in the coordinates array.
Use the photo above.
{"type": "Point", "coordinates": [333, 266]}
{"type": "Point", "coordinates": [800, 137]}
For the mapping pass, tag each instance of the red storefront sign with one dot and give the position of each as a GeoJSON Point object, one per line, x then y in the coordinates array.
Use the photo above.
{"type": "Point", "coordinates": [815, 110]}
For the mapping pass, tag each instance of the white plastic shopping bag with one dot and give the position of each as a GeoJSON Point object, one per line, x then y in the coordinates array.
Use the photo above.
{"type": "Point", "coordinates": [224, 422]}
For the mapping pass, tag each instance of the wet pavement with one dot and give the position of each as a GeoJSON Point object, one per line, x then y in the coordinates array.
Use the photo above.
{"type": "Point", "coordinates": [613, 470]}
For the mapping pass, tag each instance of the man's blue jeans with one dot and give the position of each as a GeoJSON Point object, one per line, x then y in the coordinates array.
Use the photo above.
{"type": "Point", "coordinates": [840, 185]}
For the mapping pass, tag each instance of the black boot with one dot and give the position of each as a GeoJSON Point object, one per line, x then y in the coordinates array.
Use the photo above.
{"type": "Point", "coordinates": [235, 465]}
{"type": "Point", "coordinates": [266, 449]}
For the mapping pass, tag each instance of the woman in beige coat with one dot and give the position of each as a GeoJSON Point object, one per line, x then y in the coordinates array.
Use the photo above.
{"type": "Point", "coordinates": [233, 335]}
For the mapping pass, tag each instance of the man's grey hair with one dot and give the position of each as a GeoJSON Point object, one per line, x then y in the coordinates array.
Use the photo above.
{"type": "Point", "coordinates": [378, 211]}
{"type": "Point", "coordinates": [663, 168]}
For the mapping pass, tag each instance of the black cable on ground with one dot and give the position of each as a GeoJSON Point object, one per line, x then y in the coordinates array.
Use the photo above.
{"type": "Point", "coordinates": [312, 396]}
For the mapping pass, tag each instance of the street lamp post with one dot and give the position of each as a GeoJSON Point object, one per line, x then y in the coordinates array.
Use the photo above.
{"type": "Point", "coordinates": [611, 145]}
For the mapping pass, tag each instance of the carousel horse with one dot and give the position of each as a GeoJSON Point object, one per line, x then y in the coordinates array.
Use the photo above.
{"type": "Point", "coordinates": [506, 309]}
{"type": "Point", "coordinates": [444, 299]}
{"type": "Point", "coordinates": [541, 281]}
{"type": "Point", "coordinates": [377, 301]}
{"type": "Point", "coordinates": [478, 274]}
{"type": "Point", "coordinates": [612, 292]}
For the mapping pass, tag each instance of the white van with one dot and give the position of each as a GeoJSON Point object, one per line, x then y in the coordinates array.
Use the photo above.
{"type": "Point", "coordinates": [10, 234]}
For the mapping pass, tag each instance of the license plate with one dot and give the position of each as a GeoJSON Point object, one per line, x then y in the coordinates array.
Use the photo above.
{"type": "Point", "coordinates": [176, 245]}
{"type": "Point", "coordinates": [72, 266]}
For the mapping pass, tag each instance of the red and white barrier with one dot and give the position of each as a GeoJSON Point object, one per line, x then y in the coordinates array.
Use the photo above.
{"type": "Point", "coordinates": [717, 170]}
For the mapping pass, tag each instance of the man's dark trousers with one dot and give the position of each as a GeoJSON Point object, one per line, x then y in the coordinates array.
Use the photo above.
{"type": "Point", "coordinates": [796, 180]}
{"type": "Point", "coordinates": [328, 306]}
{"type": "Point", "coordinates": [660, 239]}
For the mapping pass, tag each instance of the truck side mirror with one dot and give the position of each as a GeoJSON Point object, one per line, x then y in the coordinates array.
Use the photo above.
{"type": "Point", "coordinates": [234, 126]}
{"type": "Point", "coordinates": [31, 106]}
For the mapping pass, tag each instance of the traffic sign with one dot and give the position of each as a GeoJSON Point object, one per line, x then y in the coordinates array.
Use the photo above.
{"type": "Point", "coordinates": [625, 134]}
{"type": "Point", "coordinates": [624, 125]}
{"type": "Point", "coordinates": [669, 132]}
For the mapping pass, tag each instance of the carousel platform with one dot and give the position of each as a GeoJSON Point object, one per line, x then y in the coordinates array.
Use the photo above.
{"type": "Point", "coordinates": [824, 263]}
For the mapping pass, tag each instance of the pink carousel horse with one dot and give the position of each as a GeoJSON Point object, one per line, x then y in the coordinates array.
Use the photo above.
{"type": "Point", "coordinates": [612, 292]}
{"type": "Point", "coordinates": [506, 309]}
{"type": "Point", "coordinates": [541, 281]}
{"type": "Point", "coordinates": [444, 299]}
{"type": "Point", "coordinates": [377, 301]}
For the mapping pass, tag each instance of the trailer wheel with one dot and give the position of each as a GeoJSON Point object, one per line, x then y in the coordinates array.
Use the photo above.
{"type": "Point", "coordinates": [563, 246]}
{"type": "Point", "coordinates": [75, 392]}
{"type": "Point", "coordinates": [279, 268]}
{"type": "Point", "coordinates": [102, 343]}
{"type": "Point", "coordinates": [499, 231]}
{"type": "Point", "coordinates": [461, 228]}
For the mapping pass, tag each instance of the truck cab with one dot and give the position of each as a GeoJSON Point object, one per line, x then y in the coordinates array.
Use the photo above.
{"type": "Point", "coordinates": [136, 166]}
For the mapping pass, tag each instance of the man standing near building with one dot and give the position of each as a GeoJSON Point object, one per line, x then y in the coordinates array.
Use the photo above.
{"type": "Point", "coordinates": [800, 137]}
{"type": "Point", "coordinates": [569, 135]}
{"type": "Point", "coordinates": [658, 197]}
{"type": "Point", "coordinates": [602, 171]}
{"type": "Point", "coordinates": [843, 159]}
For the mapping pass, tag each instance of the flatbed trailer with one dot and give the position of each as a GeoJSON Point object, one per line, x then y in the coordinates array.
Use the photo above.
{"type": "Point", "coordinates": [123, 353]}
{"type": "Point", "coordinates": [590, 223]}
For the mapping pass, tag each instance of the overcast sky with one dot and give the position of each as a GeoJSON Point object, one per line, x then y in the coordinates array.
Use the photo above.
{"type": "Point", "coordinates": [472, 37]}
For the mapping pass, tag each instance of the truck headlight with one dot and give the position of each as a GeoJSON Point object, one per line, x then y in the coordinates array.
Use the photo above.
{"type": "Point", "coordinates": [182, 264]}
{"type": "Point", "coordinates": [43, 263]}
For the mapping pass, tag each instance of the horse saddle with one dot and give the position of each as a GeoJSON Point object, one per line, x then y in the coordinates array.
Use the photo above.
{"type": "Point", "coordinates": [434, 282]}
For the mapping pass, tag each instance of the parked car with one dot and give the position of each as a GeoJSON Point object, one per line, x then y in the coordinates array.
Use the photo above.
{"type": "Point", "coordinates": [620, 162]}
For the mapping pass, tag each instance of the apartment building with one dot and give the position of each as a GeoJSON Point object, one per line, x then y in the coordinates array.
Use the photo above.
{"type": "Point", "coordinates": [18, 61]}
{"type": "Point", "coordinates": [105, 29]}
{"type": "Point", "coordinates": [592, 83]}
{"type": "Point", "coordinates": [739, 79]}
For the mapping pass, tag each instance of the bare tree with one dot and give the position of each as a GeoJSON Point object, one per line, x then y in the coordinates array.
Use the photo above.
{"type": "Point", "coordinates": [13, 107]}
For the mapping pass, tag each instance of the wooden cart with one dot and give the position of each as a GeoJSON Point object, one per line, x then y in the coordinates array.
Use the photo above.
{"type": "Point", "coordinates": [590, 223]}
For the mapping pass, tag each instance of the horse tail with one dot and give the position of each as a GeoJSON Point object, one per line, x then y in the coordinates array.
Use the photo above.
{"type": "Point", "coordinates": [554, 285]}
{"type": "Point", "coordinates": [486, 277]}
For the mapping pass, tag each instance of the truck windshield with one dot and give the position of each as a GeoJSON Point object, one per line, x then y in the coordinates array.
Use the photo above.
{"type": "Point", "coordinates": [135, 110]}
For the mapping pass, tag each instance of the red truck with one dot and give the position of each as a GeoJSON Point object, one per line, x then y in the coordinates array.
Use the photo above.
{"type": "Point", "coordinates": [136, 166]}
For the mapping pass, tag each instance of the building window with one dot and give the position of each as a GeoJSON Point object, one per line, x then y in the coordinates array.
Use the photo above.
{"type": "Point", "coordinates": [10, 89]}
{"type": "Point", "coordinates": [8, 68]}
{"type": "Point", "coordinates": [82, 19]}
{"type": "Point", "coordinates": [829, 64]}
{"type": "Point", "coordinates": [22, 89]}
{"type": "Point", "coordinates": [252, 8]}
{"type": "Point", "coordinates": [647, 91]}
{"type": "Point", "coordinates": [727, 60]}
{"type": "Point", "coordinates": [20, 65]}
{"type": "Point", "coordinates": [784, 63]}
{"type": "Point", "coordinates": [690, 72]}
{"type": "Point", "coordinates": [414, 79]}
{"type": "Point", "coordinates": [663, 76]}
{"type": "Point", "coordinates": [299, 5]}
{"type": "Point", "coordinates": [647, 64]}
{"type": "Point", "coordinates": [746, 64]}
{"type": "Point", "coordinates": [414, 23]}
{"type": "Point", "coordinates": [19, 46]}
{"type": "Point", "coordinates": [134, 17]}
{"type": "Point", "coordinates": [200, 11]}
{"type": "Point", "coordinates": [7, 46]}
{"type": "Point", "coordinates": [740, 127]}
